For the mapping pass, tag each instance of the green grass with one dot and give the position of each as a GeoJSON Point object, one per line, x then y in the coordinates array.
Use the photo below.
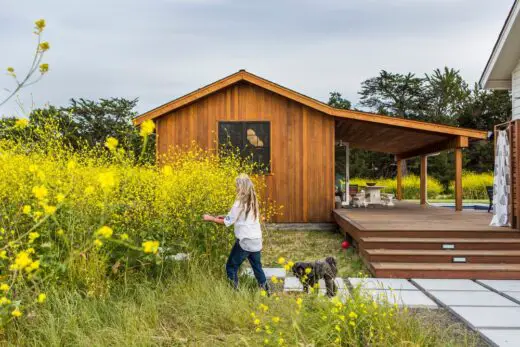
{"type": "Point", "coordinates": [202, 310]}
{"type": "Point", "coordinates": [311, 246]}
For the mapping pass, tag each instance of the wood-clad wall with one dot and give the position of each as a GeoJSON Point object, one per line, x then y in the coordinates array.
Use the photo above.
{"type": "Point", "coordinates": [302, 144]}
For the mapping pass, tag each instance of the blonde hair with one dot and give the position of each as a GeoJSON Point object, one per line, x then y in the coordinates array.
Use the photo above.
{"type": "Point", "coordinates": [246, 195]}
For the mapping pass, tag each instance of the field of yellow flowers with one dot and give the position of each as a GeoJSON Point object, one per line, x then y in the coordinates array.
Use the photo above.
{"type": "Point", "coordinates": [86, 239]}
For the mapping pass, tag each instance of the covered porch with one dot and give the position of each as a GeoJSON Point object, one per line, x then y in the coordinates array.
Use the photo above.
{"type": "Point", "coordinates": [405, 139]}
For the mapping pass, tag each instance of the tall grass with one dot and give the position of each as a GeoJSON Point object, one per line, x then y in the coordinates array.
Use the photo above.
{"type": "Point", "coordinates": [473, 184]}
{"type": "Point", "coordinates": [198, 308]}
{"type": "Point", "coordinates": [411, 186]}
{"type": "Point", "coordinates": [85, 244]}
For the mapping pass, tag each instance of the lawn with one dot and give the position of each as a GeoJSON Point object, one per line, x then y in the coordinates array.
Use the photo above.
{"type": "Point", "coordinates": [310, 246]}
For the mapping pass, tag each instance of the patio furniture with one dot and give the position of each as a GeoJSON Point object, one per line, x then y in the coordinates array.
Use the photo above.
{"type": "Point", "coordinates": [373, 195]}
{"type": "Point", "coordinates": [489, 190]}
{"type": "Point", "coordinates": [358, 198]}
{"type": "Point", "coordinates": [387, 199]}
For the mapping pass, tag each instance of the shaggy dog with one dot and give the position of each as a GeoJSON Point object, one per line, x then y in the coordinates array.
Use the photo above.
{"type": "Point", "coordinates": [310, 273]}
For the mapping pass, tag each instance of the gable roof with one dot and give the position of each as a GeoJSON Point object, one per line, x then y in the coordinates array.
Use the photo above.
{"type": "Point", "coordinates": [243, 75]}
{"type": "Point", "coordinates": [505, 55]}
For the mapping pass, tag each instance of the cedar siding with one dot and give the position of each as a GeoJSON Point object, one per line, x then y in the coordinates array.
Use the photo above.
{"type": "Point", "coordinates": [302, 144]}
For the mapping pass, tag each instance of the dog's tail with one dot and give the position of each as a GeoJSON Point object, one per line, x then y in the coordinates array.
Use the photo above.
{"type": "Point", "coordinates": [332, 262]}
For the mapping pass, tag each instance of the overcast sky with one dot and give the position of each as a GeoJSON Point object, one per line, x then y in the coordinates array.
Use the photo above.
{"type": "Point", "coordinates": [158, 50]}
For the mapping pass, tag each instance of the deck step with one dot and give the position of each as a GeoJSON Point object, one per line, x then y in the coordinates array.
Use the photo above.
{"type": "Point", "coordinates": [440, 243]}
{"type": "Point", "coordinates": [455, 233]}
{"type": "Point", "coordinates": [443, 270]}
{"type": "Point", "coordinates": [443, 256]}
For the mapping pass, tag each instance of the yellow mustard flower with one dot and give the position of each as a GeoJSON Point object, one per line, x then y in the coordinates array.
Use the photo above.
{"type": "Point", "coordinates": [21, 261]}
{"type": "Point", "coordinates": [44, 46]}
{"type": "Point", "coordinates": [4, 301]}
{"type": "Point", "coordinates": [256, 321]}
{"type": "Point", "coordinates": [44, 68]}
{"type": "Point", "coordinates": [353, 315]}
{"type": "Point", "coordinates": [124, 236]}
{"type": "Point", "coordinates": [274, 279]}
{"type": "Point", "coordinates": [35, 265]}
{"type": "Point", "coordinates": [111, 143]}
{"type": "Point", "coordinates": [40, 25]}
{"type": "Point", "coordinates": [299, 301]}
{"type": "Point", "coordinates": [281, 260]}
{"type": "Point", "coordinates": [290, 264]}
{"type": "Point", "coordinates": [40, 192]}
{"type": "Point", "coordinates": [107, 180]}
{"type": "Point", "coordinates": [41, 298]}
{"type": "Point", "coordinates": [3, 254]}
{"type": "Point", "coordinates": [27, 209]}
{"type": "Point", "coordinates": [308, 270]}
{"type": "Point", "coordinates": [104, 232]}
{"type": "Point", "coordinates": [151, 246]}
{"type": "Point", "coordinates": [16, 313]}
{"type": "Point", "coordinates": [263, 293]}
{"type": "Point", "coordinates": [89, 190]}
{"type": "Point", "coordinates": [263, 307]}
{"type": "Point", "coordinates": [167, 170]}
{"type": "Point", "coordinates": [275, 319]}
{"type": "Point", "coordinates": [33, 236]}
{"type": "Point", "coordinates": [98, 243]}
{"type": "Point", "coordinates": [147, 128]}
{"type": "Point", "coordinates": [281, 341]}
{"type": "Point", "coordinates": [49, 209]}
{"type": "Point", "coordinates": [60, 197]}
{"type": "Point", "coordinates": [71, 165]}
{"type": "Point", "coordinates": [59, 232]}
{"type": "Point", "coordinates": [4, 287]}
{"type": "Point", "coordinates": [266, 341]}
{"type": "Point", "coordinates": [21, 123]}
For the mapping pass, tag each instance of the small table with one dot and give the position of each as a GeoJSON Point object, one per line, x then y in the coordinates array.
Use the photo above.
{"type": "Point", "coordinates": [373, 195]}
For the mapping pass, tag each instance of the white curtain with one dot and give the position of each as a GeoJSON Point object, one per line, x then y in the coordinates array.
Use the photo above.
{"type": "Point", "coordinates": [501, 182]}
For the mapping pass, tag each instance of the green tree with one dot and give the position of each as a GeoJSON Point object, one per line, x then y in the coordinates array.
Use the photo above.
{"type": "Point", "coordinates": [336, 100]}
{"type": "Point", "coordinates": [394, 94]}
{"type": "Point", "coordinates": [447, 94]}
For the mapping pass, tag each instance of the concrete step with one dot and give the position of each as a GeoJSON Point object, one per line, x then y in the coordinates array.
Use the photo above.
{"type": "Point", "coordinates": [445, 270]}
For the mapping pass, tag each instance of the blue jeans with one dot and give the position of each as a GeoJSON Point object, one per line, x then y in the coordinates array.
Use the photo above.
{"type": "Point", "coordinates": [237, 257]}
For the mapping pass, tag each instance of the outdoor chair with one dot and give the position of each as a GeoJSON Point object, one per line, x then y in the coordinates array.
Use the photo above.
{"type": "Point", "coordinates": [489, 190]}
{"type": "Point", "coordinates": [358, 197]}
{"type": "Point", "coordinates": [387, 199]}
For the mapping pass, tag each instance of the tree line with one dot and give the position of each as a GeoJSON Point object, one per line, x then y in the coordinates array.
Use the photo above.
{"type": "Point", "coordinates": [442, 97]}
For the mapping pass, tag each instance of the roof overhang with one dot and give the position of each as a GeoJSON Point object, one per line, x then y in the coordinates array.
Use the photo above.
{"type": "Point", "coordinates": [410, 137]}
{"type": "Point", "coordinates": [505, 55]}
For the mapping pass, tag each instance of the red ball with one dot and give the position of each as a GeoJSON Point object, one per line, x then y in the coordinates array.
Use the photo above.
{"type": "Point", "coordinates": [345, 245]}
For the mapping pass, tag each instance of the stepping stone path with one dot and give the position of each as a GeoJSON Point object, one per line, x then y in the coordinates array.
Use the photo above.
{"type": "Point", "coordinates": [491, 307]}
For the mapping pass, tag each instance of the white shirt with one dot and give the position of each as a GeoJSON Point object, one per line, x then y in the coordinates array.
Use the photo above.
{"type": "Point", "coordinates": [247, 229]}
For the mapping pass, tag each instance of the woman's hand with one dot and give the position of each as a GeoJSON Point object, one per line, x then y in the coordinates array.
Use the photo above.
{"type": "Point", "coordinates": [208, 218]}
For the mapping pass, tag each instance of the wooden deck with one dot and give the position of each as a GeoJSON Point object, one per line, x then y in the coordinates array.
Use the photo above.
{"type": "Point", "coordinates": [410, 240]}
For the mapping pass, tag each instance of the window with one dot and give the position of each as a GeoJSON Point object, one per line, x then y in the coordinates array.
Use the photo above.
{"type": "Point", "coordinates": [251, 139]}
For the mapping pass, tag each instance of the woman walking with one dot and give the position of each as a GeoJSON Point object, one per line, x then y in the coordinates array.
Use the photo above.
{"type": "Point", "coordinates": [245, 217]}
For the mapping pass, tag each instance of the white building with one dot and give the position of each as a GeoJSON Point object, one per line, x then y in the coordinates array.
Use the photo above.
{"type": "Point", "coordinates": [503, 67]}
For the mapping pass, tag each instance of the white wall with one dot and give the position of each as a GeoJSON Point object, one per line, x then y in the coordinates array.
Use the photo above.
{"type": "Point", "coordinates": [516, 91]}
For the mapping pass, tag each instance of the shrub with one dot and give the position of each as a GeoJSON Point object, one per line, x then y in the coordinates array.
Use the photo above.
{"type": "Point", "coordinates": [473, 185]}
{"type": "Point", "coordinates": [411, 186]}
{"type": "Point", "coordinates": [77, 217]}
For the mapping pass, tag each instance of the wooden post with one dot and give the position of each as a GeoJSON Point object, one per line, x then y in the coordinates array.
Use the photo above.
{"type": "Point", "coordinates": [424, 179]}
{"type": "Point", "coordinates": [399, 192]}
{"type": "Point", "coordinates": [458, 179]}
